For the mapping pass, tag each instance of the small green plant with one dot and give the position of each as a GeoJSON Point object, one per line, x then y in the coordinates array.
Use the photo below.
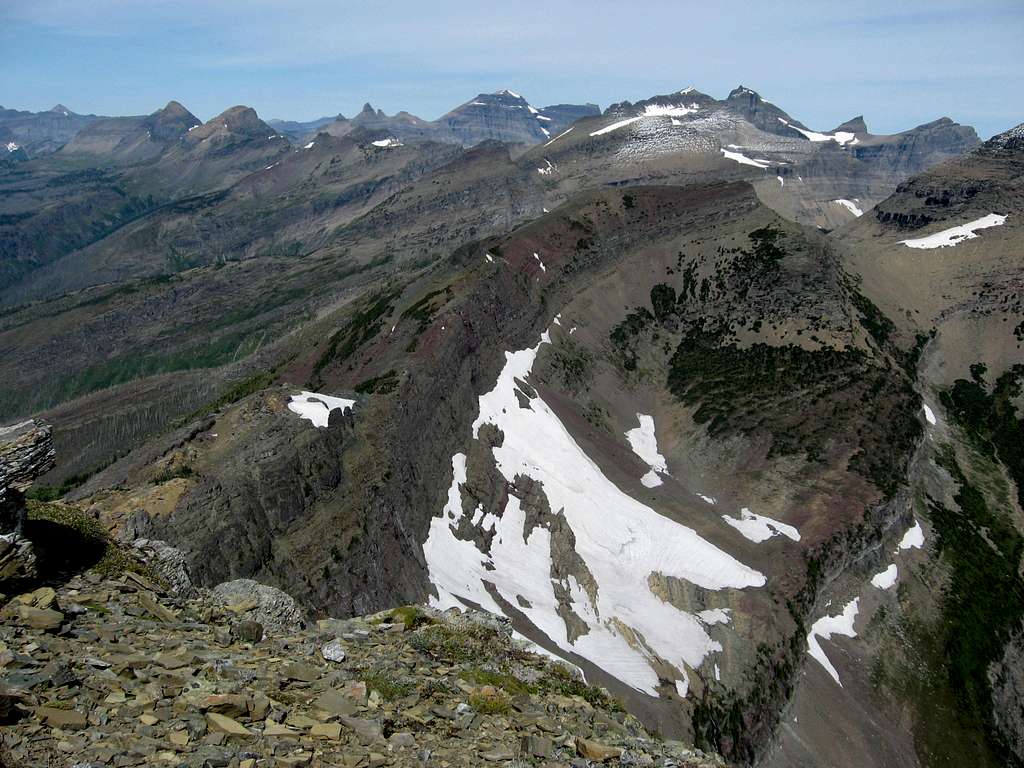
{"type": "Point", "coordinates": [490, 704]}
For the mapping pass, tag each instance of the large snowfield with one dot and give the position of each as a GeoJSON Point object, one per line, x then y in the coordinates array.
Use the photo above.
{"type": "Point", "coordinates": [621, 541]}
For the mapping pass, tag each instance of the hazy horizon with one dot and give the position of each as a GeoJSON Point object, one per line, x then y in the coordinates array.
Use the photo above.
{"type": "Point", "coordinates": [888, 61]}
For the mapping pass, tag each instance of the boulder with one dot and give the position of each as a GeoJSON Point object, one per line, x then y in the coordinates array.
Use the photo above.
{"type": "Point", "coordinates": [277, 611]}
{"type": "Point", "coordinates": [168, 563]}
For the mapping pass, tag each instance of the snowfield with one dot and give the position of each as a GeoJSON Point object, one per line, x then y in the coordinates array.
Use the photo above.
{"type": "Point", "coordinates": [619, 544]}
{"type": "Point", "coordinates": [317, 408]}
{"type": "Point", "coordinates": [956, 235]}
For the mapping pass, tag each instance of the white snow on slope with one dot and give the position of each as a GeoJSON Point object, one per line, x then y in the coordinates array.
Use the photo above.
{"type": "Point", "coordinates": [541, 263]}
{"type": "Point", "coordinates": [316, 407]}
{"type": "Point", "coordinates": [886, 578]}
{"type": "Point", "coordinates": [645, 445]}
{"type": "Point", "coordinates": [548, 170]}
{"type": "Point", "coordinates": [708, 499]}
{"type": "Point", "coordinates": [11, 146]}
{"type": "Point", "coordinates": [839, 137]}
{"type": "Point", "coordinates": [671, 110]}
{"type": "Point", "coordinates": [850, 206]}
{"type": "Point", "coordinates": [739, 157]}
{"type": "Point", "coordinates": [563, 133]}
{"type": "Point", "coordinates": [388, 142]}
{"type": "Point", "coordinates": [956, 235]}
{"type": "Point", "coordinates": [310, 145]}
{"type": "Point", "coordinates": [615, 126]}
{"type": "Point", "coordinates": [759, 528]}
{"type": "Point", "coordinates": [714, 616]}
{"type": "Point", "coordinates": [782, 181]}
{"type": "Point", "coordinates": [913, 538]}
{"type": "Point", "coordinates": [827, 626]}
{"type": "Point", "coordinates": [621, 540]}
{"type": "Point", "coordinates": [929, 415]}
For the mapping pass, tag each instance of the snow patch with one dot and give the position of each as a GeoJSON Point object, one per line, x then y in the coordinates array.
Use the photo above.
{"type": "Point", "coordinates": [310, 145]}
{"type": "Point", "coordinates": [11, 146]}
{"type": "Point", "coordinates": [839, 137]}
{"type": "Point", "coordinates": [388, 142]}
{"type": "Point", "coordinates": [317, 408]}
{"type": "Point", "coordinates": [913, 538]}
{"type": "Point", "coordinates": [547, 171]}
{"type": "Point", "coordinates": [956, 235]}
{"type": "Point", "coordinates": [669, 110]}
{"type": "Point", "coordinates": [886, 578]}
{"type": "Point", "coordinates": [850, 206]}
{"type": "Point", "coordinates": [929, 415]}
{"type": "Point", "coordinates": [708, 499]}
{"type": "Point", "coordinates": [615, 126]}
{"type": "Point", "coordinates": [714, 616]}
{"type": "Point", "coordinates": [645, 445]}
{"type": "Point", "coordinates": [739, 157]}
{"type": "Point", "coordinates": [542, 267]}
{"type": "Point", "coordinates": [759, 528]}
{"type": "Point", "coordinates": [827, 626]}
{"type": "Point", "coordinates": [563, 133]}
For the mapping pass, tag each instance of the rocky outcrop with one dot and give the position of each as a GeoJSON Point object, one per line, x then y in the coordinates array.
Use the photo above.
{"type": "Point", "coordinates": [26, 451]}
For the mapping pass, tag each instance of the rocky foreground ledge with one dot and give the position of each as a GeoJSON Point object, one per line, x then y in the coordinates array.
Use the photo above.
{"type": "Point", "coordinates": [126, 664]}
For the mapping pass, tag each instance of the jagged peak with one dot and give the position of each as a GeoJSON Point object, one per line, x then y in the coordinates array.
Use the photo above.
{"type": "Point", "coordinates": [507, 92]}
{"type": "Point", "coordinates": [60, 109]}
{"type": "Point", "coordinates": [742, 92]}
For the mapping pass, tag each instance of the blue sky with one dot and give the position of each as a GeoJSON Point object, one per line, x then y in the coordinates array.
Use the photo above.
{"type": "Point", "coordinates": [898, 63]}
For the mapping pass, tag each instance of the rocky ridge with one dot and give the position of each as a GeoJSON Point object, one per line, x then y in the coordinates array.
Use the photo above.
{"type": "Point", "coordinates": [118, 669]}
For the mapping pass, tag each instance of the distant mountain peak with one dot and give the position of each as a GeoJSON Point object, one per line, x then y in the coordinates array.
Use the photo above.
{"type": "Point", "coordinates": [853, 125]}
{"type": "Point", "coordinates": [60, 109]}
{"type": "Point", "coordinates": [175, 108]}
{"type": "Point", "coordinates": [507, 92]}
{"type": "Point", "coordinates": [742, 92]}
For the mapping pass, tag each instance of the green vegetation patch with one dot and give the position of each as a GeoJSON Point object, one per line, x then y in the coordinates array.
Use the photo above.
{"type": "Point", "coordinates": [365, 323]}
{"type": "Point", "coordinates": [990, 418]}
{"type": "Point", "coordinates": [801, 400]}
{"type": "Point", "coordinates": [379, 385]}
{"type": "Point", "coordinates": [983, 602]}
{"type": "Point", "coordinates": [67, 540]}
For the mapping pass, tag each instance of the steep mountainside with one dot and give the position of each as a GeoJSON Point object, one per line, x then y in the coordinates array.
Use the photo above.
{"type": "Point", "coordinates": [723, 410]}
{"type": "Point", "coordinates": [938, 634]}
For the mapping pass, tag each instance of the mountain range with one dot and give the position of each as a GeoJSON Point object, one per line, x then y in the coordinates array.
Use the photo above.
{"type": "Point", "coordinates": [719, 408]}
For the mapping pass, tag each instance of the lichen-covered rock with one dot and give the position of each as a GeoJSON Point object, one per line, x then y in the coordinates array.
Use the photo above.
{"type": "Point", "coordinates": [274, 609]}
